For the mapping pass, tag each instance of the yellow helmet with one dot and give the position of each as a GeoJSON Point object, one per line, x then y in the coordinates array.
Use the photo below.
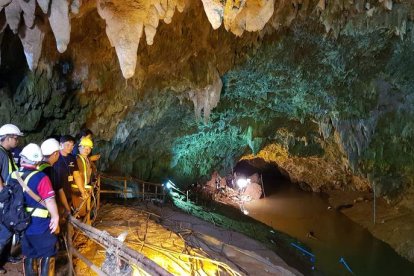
{"type": "Point", "coordinates": [86, 142]}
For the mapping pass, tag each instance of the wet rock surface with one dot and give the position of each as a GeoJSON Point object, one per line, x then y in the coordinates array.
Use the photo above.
{"type": "Point", "coordinates": [324, 90]}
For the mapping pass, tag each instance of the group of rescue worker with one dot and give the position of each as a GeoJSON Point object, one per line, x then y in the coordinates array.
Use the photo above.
{"type": "Point", "coordinates": [56, 178]}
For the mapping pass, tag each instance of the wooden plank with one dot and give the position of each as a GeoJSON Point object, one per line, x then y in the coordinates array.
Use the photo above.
{"type": "Point", "coordinates": [111, 192]}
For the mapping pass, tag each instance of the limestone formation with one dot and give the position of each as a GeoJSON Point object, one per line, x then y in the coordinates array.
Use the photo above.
{"type": "Point", "coordinates": [60, 23]}
{"type": "Point", "coordinates": [30, 33]}
{"type": "Point", "coordinates": [32, 39]}
{"type": "Point", "coordinates": [28, 8]}
{"type": "Point", "coordinates": [125, 22]}
{"type": "Point", "coordinates": [207, 98]}
{"type": "Point", "coordinates": [3, 25]}
{"type": "Point", "coordinates": [238, 16]}
{"type": "Point", "coordinates": [44, 5]}
{"type": "Point", "coordinates": [13, 11]}
{"type": "Point", "coordinates": [214, 11]}
{"type": "Point", "coordinates": [4, 2]}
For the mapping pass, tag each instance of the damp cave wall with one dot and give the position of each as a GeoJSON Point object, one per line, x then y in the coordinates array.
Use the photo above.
{"type": "Point", "coordinates": [334, 111]}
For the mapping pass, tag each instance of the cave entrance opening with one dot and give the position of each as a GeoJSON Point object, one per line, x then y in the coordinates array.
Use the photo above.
{"type": "Point", "coordinates": [267, 175]}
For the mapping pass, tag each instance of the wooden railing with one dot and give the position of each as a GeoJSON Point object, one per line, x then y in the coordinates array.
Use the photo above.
{"type": "Point", "coordinates": [146, 190]}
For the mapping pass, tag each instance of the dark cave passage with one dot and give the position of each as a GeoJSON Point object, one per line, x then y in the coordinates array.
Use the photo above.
{"type": "Point", "coordinates": [269, 173]}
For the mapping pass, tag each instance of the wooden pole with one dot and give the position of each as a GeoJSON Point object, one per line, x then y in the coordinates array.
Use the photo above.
{"type": "Point", "coordinates": [68, 239]}
{"type": "Point", "coordinates": [88, 263]}
{"type": "Point", "coordinates": [143, 191]}
{"type": "Point", "coordinates": [261, 180]}
{"type": "Point", "coordinates": [125, 189]}
{"type": "Point", "coordinates": [132, 256]}
{"type": "Point", "coordinates": [374, 215]}
{"type": "Point", "coordinates": [98, 194]}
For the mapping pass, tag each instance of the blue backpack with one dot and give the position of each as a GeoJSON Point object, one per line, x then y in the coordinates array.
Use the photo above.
{"type": "Point", "coordinates": [13, 212]}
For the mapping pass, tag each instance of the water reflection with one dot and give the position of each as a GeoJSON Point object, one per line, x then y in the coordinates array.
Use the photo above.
{"type": "Point", "coordinates": [298, 213]}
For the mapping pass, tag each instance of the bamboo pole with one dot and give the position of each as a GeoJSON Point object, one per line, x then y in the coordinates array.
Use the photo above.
{"type": "Point", "coordinates": [123, 251]}
{"type": "Point", "coordinates": [68, 241]}
{"type": "Point", "coordinates": [261, 180]}
{"type": "Point", "coordinates": [143, 191]}
{"type": "Point", "coordinates": [125, 188]}
{"type": "Point", "coordinates": [98, 199]}
{"type": "Point", "coordinates": [88, 263]}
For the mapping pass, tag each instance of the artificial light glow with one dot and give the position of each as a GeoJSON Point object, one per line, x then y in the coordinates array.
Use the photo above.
{"type": "Point", "coordinates": [169, 184]}
{"type": "Point", "coordinates": [242, 182]}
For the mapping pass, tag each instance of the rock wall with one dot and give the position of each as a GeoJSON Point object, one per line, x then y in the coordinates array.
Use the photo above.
{"type": "Point", "coordinates": [330, 100]}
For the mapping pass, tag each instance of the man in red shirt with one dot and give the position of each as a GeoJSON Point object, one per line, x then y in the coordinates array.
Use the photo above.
{"type": "Point", "coordinates": [39, 240]}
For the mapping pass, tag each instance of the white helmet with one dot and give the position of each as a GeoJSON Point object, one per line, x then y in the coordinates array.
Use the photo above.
{"type": "Point", "coordinates": [49, 146]}
{"type": "Point", "coordinates": [10, 129]}
{"type": "Point", "coordinates": [32, 152]}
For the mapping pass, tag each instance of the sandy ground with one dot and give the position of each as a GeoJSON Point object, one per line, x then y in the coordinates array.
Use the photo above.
{"type": "Point", "coordinates": [181, 243]}
{"type": "Point", "coordinates": [14, 269]}
{"type": "Point", "coordinates": [393, 224]}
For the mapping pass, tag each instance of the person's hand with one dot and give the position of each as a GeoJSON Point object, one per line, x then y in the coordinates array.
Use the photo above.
{"type": "Point", "coordinates": [85, 195]}
{"type": "Point", "coordinates": [54, 225]}
{"type": "Point", "coordinates": [66, 214]}
{"type": "Point", "coordinates": [95, 157]}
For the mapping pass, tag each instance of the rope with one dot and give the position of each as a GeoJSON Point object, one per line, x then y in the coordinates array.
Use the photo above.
{"type": "Point", "coordinates": [177, 257]}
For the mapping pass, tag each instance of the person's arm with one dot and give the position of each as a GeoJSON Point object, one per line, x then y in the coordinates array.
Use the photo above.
{"type": "Point", "coordinates": [94, 157]}
{"type": "Point", "coordinates": [54, 215]}
{"type": "Point", "coordinates": [45, 191]}
{"type": "Point", "coordinates": [3, 164]}
{"type": "Point", "coordinates": [79, 182]}
{"type": "Point", "coordinates": [64, 200]}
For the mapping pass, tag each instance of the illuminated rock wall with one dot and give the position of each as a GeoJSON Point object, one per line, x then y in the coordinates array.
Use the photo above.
{"type": "Point", "coordinates": [338, 105]}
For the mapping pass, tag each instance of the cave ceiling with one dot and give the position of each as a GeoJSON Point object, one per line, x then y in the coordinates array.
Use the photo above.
{"type": "Point", "coordinates": [128, 20]}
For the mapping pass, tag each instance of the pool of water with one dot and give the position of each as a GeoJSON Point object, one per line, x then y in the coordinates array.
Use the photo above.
{"type": "Point", "coordinates": [295, 212]}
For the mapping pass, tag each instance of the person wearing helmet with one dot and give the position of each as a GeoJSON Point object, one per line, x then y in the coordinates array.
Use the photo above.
{"type": "Point", "coordinates": [39, 239]}
{"type": "Point", "coordinates": [85, 133]}
{"type": "Point", "coordinates": [85, 170]}
{"type": "Point", "coordinates": [50, 150]}
{"type": "Point", "coordinates": [9, 139]}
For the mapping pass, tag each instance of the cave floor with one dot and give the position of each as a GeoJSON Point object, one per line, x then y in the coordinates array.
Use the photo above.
{"type": "Point", "coordinates": [176, 240]}
{"type": "Point", "coordinates": [14, 269]}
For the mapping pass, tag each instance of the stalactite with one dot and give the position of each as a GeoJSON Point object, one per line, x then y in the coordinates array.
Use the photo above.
{"type": "Point", "coordinates": [32, 39]}
{"type": "Point", "coordinates": [74, 7]}
{"type": "Point", "coordinates": [3, 24]}
{"type": "Point", "coordinates": [3, 3]}
{"type": "Point", "coordinates": [126, 21]}
{"type": "Point", "coordinates": [60, 23]}
{"type": "Point", "coordinates": [207, 98]}
{"type": "Point", "coordinates": [44, 5]}
{"type": "Point", "coordinates": [238, 16]}
{"type": "Point", "coordinates": [29, 8]}
{"type": "Point", "coordinates": [214, 11]}
{"type": "Point", "coordinates": [124, 29]}
{"type": "Point", "coordinates": [13, 11]}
